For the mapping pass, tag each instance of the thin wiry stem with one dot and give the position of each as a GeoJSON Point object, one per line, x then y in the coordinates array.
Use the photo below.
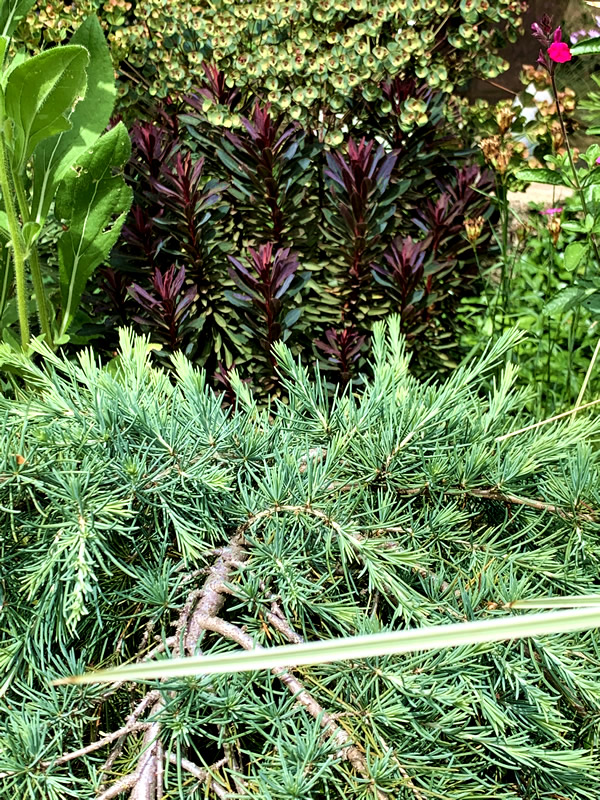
{"type": "Point", "coordinates": [203, 775]}
{"type": "Point", "coordinates": [98, 745]}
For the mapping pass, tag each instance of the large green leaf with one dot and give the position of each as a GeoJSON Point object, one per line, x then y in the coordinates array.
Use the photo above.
{"type": "Point", "coordinates": [567, 299]}
{"type": "Point", "coordinates": [586, 47]}
{"type": "Point", "coordinates": [541, 176]}
{"type": "Point", "coordinates": [53, 157]}
{"type": "Point", "coordinates": [92, 202]}
{"type": "Point", "coordinates": [574, 254]}
{"type": "Point", "coordinates": [11, 13]}
{"type": "Point", "coordinates": [353, 647]}
{"type": "Point", "coordinates": [40, 93]}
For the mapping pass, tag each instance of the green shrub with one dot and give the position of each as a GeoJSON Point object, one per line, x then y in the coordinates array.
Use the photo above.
{"type": "Point", "coordinates": [139, 516]}
{"type": "Point", "coordinates": [300, 55]}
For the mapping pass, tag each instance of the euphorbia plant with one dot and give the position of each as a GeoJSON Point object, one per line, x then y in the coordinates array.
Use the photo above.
{"type": "Point", "coordinates": [53, 109]}
{"type": "Point", "coordinates": [270, 165]}
{"type": "Point", "coordinates": [267, 283]}
{"type": "Point", "coordinates": [361, 206]}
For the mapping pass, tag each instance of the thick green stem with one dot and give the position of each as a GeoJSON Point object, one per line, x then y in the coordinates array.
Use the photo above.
{"type": "Point", "coordinates": [16, 235]}
{"type": "Point", "coordinates": [34, 264]}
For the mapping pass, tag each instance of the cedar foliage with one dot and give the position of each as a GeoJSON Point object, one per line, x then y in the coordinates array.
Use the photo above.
{"type": "Point", "coordinates": [125, 492]}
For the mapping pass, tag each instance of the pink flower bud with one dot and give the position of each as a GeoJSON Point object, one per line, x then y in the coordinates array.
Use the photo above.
{"type": "Point", "coordinates": [551, 211]}
{"type": "Point", "coordinates": [559, 52]}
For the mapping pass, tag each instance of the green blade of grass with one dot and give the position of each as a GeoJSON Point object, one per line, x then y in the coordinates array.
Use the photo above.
{"type": "Point", "coordinates": [407, 641]}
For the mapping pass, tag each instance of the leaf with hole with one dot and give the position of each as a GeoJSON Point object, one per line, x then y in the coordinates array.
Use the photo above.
{"type": "Point", "coordinates": [39, 95]}
{"type": "Point", "coordinates": [54, 156]}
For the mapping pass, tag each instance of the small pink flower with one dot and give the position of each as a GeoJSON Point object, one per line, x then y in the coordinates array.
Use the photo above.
{"type": "Point", "coordinates": [559, 52]}
{"type": "Point", "coordinates": [598, 160]}
{"type": "Point", "coordinates": [551, 211]}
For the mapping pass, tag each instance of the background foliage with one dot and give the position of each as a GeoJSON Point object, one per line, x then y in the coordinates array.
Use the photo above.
{"type": "Point", "coordinates": [303, 56]}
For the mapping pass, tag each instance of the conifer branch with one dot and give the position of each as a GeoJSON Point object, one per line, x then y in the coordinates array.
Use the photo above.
{"type": "Point", "coordinates": [278, 621]}
{"type": "Point", "coordinates": [147, 700]}
{"type": "Point", "coordinates": [203, 775]}
{"type": "Point", "coordinates": [122, 785]}
{"type": "Point", "coordinates": [342, 739]}
{"type": "Point", "coordinates": [146, 782]}
{"type": "Point", "coordinates": [99, 744]}
{"type": "Point", "coordinates": [493, 494]}
{"type": "Point", "coordinates": [147, 770]}
{"type": "Point", "coordinates": [212, 595]}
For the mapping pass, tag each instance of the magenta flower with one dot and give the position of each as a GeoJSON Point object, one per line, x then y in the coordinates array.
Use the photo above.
{"type": "Point", "coordinates": [551, 211]}
{"type": "Point", "coordinates": [559, 52]}
{"type": "Point", "coordinates": [598, 160]}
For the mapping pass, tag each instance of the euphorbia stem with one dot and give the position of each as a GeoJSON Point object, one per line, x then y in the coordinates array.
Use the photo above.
{"type": "Point", "coordinates": [16, 235]}
{"type": "Point", "coordinates": [36, 272]}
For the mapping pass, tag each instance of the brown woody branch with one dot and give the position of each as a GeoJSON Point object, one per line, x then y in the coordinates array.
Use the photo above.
{"type": "Point", "coordinates": [278, 621]}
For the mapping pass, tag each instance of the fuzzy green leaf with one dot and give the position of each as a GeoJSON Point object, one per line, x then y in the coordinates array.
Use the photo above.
{"type": "Point", "coordinates": [566, 299]}
{"type": "Point", "coordinates": [40, 93]}
{"type": "Point", "coordinates": [574, 254]}
{"type": "Point", "coordinates": [92, 202]}
{"type": "Point", "coordinates": [54, 156]}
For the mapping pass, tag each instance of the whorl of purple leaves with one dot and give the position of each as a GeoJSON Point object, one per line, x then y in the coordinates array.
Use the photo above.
{"type": "Point", "coordinates": [168, 306]}
{"type": "Point", "coordinates": [358, 184]}
{"type": "Point", "coordinates": [264, 282]}
{"type": "Point", "coordinates": [364, 172]}
{"type": "Point", "coordinates": [441, 220]}
{"type": "Point", "coordinates": [396, 91]}
{"type": "Point", "coordinates": [419, 274]}
{"type": "Point", "coordinates": [115, 286]}
{"type": "Point", "coordinates": [403, 272]}
{"type": "Point", "coordinates": [142, 235]}
{"type": "Point", "coordinates": [267, 174]}
{"type": "Point", "coordinates": [214, 88]}
{"type": "Point", "coordinates": [180, 189]}
{"type": "Point", "coordinates": [171, 215]}
{"type": "Point", "coordinates": [264, 131]}
{"type": "Point", "coordinates": [152, 146]}
{"type": "Point", "coordinates": [343, 348]}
